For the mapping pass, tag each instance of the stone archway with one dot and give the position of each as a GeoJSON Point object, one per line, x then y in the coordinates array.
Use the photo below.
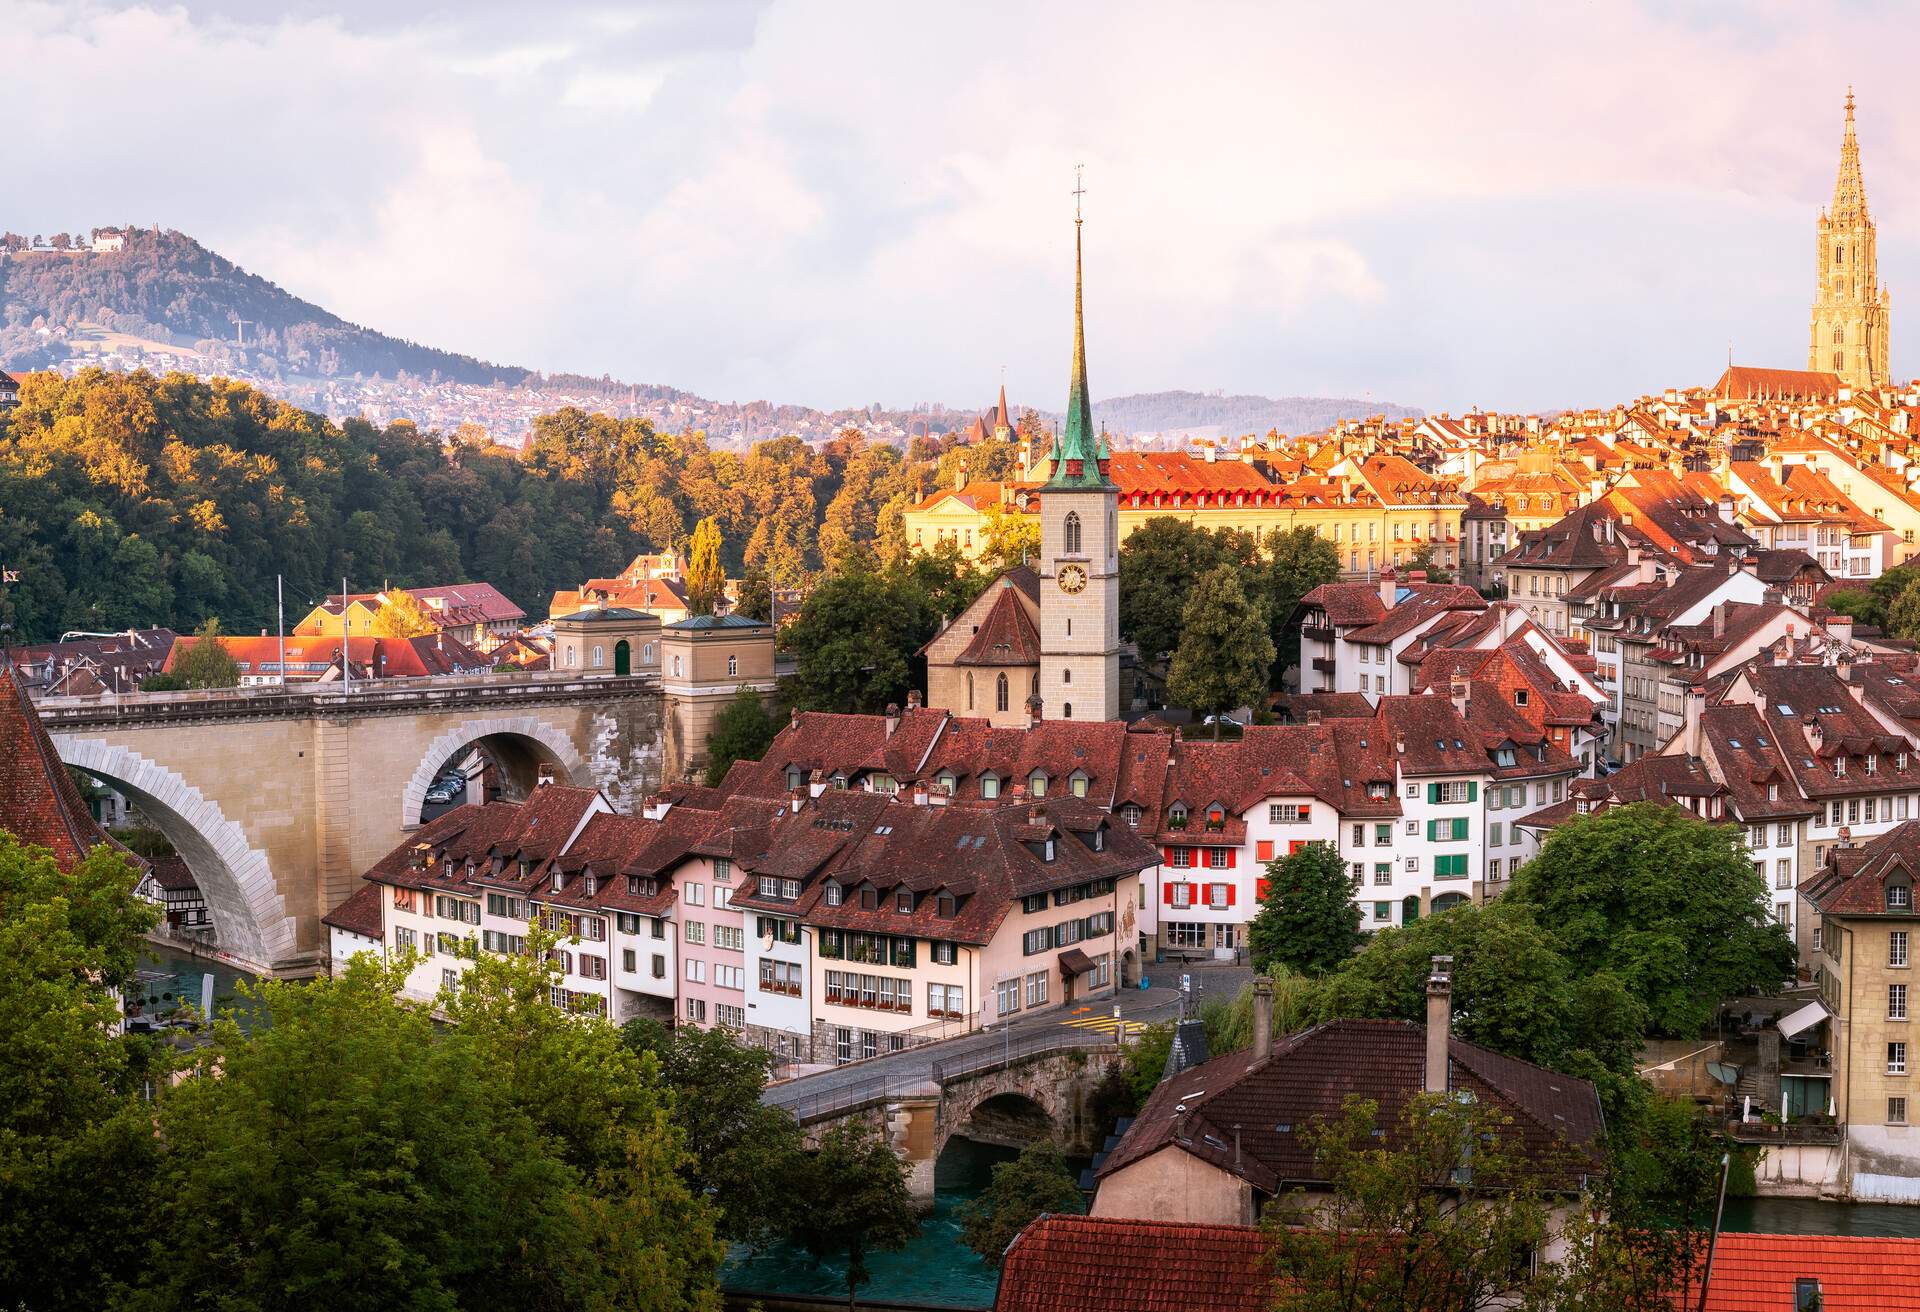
{"type": "Point", "coordinates": [249, 914]}
{"type": "Point", "coordinates": [551, 742]}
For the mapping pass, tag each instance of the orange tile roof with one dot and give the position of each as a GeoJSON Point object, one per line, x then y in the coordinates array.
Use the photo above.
{"type": "Point", "coordinates": [1757, 1273]}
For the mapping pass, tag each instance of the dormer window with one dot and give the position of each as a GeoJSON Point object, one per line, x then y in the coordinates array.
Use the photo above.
{"type": "Point", "coordinates": [870, 899]}
{"type": "Point", "coordinates": [522, 867]}
{"type": "Point", "coordinates": [834, 893]}
{"type": "Point", "coordinates": [840, 783]}
{"type": "Point", "coordinates": [1900, 761]}
{"type": "Point", "coordinates": [903, 902]}
{"type": "Point", "coordinates": [1773, 792]}
{"type": "Point", "coordinates": [1049, 852]}
{"type": "Point", "coordinates": [1504, 756]}
{"type": "Point", "coordinates": [1899, 897]}
{"type": "Point", "coordinates": [469, 870]}
{"type": "Point", "coordinates": [1519, 696]}
{"type": "Point", "coordinates": [943, 906]}
{"type": "Point", "coordinates": [989, 787]}
{"type": "Point", "coordinates": [593, 884]}
{"type": "Point", "coordinates": [1079, 784]}
{"type": "Point", "coordinates": [1216, 818]}
{"type": "Point", "coordinates": [795, 777]}
{"type": "Point", "coordinates": [946, 782]}
{"type": "Point", "coordinates": [1100, 839]}
{"type": "Point", "coordinates": [1037, 784]}
{"type": "Point", "coordinates": [1839, 767]}
{"type": "Point", "coordinates": [1131, 814]}
{"type": "Point", "coordinates": [1176, 816]}
{"type": "Point", "coordinates": [1873, 763]}
{"type": "Point", "coordinates": [633, 885]}
{"type": "Point", "coordinates": [559, 881]}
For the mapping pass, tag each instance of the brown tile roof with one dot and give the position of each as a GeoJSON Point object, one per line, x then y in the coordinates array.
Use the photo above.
{"type": "Point", "coordinates": [39, 803]}
{"type": "Point", "coordinates": [1115, 1264]}
{"type": "Point", "coordinates": [1854, 880]}
{"type": "Point", "coordinates": [1007, 636]}
{"type": "Point", "coordinates": [1309, 1077]}
{"type": "Point", "coordinates": [359, 914]}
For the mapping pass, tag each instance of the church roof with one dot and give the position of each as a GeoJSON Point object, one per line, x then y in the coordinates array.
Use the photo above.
{"type": "Point", "coordinates": [1078, 456]}
{"type": "Point", "coordinates": [1008, 635]}
{"type": "Point", "coordinates": [1746, 383]}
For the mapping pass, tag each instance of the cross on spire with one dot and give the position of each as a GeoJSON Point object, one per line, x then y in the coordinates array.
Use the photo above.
{"type": "Point", "coordinates": [1079, 187]}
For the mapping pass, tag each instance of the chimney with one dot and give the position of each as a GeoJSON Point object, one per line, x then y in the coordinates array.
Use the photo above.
{"type": "Point", "coordinates": [1400, 744]}
{"type": "Point", "coordinates": [1033, 711]}
{"type": "Point", "coordinates": [1388, 587]}
{"type": "Point", "coordinates": [1649, 569]}
{"type": "Point", "coordinates": [1696, 712]}
{"type": "Point", "coordinates": [1460, 692]}
{"type": "Point", "coordinates": [1262, 1020]}
{"type": "Point", "coordinates": [546, 776]}
{"type": "Point", "coordinates": [960, 476]}
{"type": "Point", "coordinates": [1439, 1024]}
{"type": "Point", "coordinates": [919, 794]}
{"type": "Point", "coordinates": [913, 699]}
{"type": "Point", "coordinates": [1726, 507]}
{"type": "Point", "coordinates": [893, 717]}
{"type": "Point", "coordinates": [1720, 620]}
{"type": "Point", "coordinates": [1840, 627]}
{"type": "Point", "coordinates": [793, 717]}
{"type": "Point", "coordinates": [1313, 717]}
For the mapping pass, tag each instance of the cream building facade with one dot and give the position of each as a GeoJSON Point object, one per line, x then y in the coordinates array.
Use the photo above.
{"type": "Point", "coordinates": [1850, 309]}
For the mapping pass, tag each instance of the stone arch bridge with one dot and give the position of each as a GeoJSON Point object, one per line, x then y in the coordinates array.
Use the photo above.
{"type": "Point", "coordinates": [277, 798]}
{"type": "Point", "coordinates": [1036, 1094]}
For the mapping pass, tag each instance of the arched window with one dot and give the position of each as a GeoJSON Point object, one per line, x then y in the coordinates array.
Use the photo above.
{"type": "Point", "coordinates": [1839, 335]}
{"type": "Point", "coordinates": [599, 656]}
{"type": "Point", "coordinates": [733, 666]}
{"type": "Point", "coordinates": [1839, 361]}
{"type": "Point", "coordinates": [1839, 254]}
{"type": "Point", "coordinates": [1000, 693]}
{"type": "Point", "coordinates": [1066, 676]}
{"type": "Point", "coordinates": [1070, 533]}
{"type": "Point", "coordinates": [646, 654]}
{"type": "Point", "coordinates": [969, 692]}
{"type": "Point", "coordinates": [1066, 710]}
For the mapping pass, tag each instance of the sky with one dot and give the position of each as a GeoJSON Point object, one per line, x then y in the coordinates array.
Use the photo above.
{"type": "Point", "coordinates": [1518, 205]}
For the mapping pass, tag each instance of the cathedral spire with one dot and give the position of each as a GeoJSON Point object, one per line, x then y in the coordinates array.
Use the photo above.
{"type": "Point", "coordinates": [1076, 456]}
{"type": "Point", "coordinates": [1849, 192]}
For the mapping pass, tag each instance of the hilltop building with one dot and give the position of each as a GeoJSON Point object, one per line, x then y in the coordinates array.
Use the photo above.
{"type": "Point", "coordinates": [1850, 309]}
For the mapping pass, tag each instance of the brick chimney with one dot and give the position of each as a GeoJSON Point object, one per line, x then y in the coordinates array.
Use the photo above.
{"type": "Point", "coordinates": [1459, 689]}
{"type": "Point", "coordinates": [913, 699]}
{"type": "Point", "coordinates": [1388, 587]}
{"type": "Point", "coordinates": [1262, 1020]}
{"type": "Point", "coordinates": [1439, 1024]}
{"type": "Point", "coordinates": [893, 717]}
{"type": "Point", "coordinates": [1033, 711]}
{"type": "Point", "coordinates": [1696, 712]}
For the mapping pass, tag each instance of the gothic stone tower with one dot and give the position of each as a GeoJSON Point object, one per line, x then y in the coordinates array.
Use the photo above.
{"type": "Point", "coordinates": [1850, 311]}
{"type": "Point", "coordinates": [1080, 557]}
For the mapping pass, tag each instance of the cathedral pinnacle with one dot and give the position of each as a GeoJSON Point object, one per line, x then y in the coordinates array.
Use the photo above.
{"type": "Point", "coordinates": [1849, 191]}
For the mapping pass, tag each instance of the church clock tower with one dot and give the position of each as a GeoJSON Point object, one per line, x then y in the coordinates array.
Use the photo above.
{"type": "Point", "coordinates": [1079, 555]}
{"type": "Point", "coordinates": [1850, 310]}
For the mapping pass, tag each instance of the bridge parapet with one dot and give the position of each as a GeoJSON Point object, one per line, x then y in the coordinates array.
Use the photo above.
{"type": "Point", "coordinates": [332, 700]}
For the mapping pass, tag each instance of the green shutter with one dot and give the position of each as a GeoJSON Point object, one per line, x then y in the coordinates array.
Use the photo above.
{"type": "Point", "coordinates": [1460, 830]}
{"type": "Point", "coordinates": [1433, 831]}
{"type": "Point", "coordinates": [1433, 794]}
{"type": "Point", "coordinates": [1473, 791]}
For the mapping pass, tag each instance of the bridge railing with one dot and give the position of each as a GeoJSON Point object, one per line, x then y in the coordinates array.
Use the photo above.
{"type": "Point", "coordinates": [307, 699]}
{"type": "Point", "coordinates": [874, 1091]}
{"type": "Point", "coordinates": [1037, 1044]}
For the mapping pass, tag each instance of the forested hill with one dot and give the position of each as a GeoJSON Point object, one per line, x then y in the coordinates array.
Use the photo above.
{"type": "Point", "coordinates": [166, 288]}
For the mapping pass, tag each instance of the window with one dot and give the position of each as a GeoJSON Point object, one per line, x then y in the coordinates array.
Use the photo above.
{"type": "Point", "coordinates": [1288, 813]}
{"type": "Point", "coordinates": [1000, 693]}
{"type": "Point", "coordinates": [1382, 872]}
{"type": "Point", "coordinates": [450, 980]}
{"type": "Point", "coordinates": [1453, 866]}
{"type": "Point", "coordinates": [1383, 835]}
{"type": "Point", "coordinates": [732, 1018]}
{"type": "Point", "coordinates": [1217, 896]}
{"type": "Point", "coordinates": [1899, 897]}
{"type": "Point", "coordinates": [696, 971]}
{"type": "Point", "coordinates": [1783, 873]}
{"type": "Point", "coordinates": [1006, 996]}
{"type": "Point", "coordinates": [1782, 834]}
{"type": "Point", "coordinates": [1493, 834]}
{"type": "Point", "coordinates": [1897, 948]}
{"type": "Point", "coordinates": [659, 966]}
{"type": "Point", "coordinates": [1182, 857]}
{"type": "Point", "coordinates": [1896, 1059]}
{"type": "Point", "coordinates": [1896, 1111]}
{"type": "Point", "coordinates": [989, 784]}
{"type": "Point", "coordinates": [1186, 934]}
{"type": "Point", "coordinates": [945, 1001]}
{"type": "Point", "coordinates": [696, 931]}
{"type": "Point", "coordinates": [1070, 534]}
{"type": "Point", "coordinates": [1217, 858]}
{"type": "Point", "coordinates": [1037, 989]}
{"type": "Point", "coordinates": [697, 1010]}
{"type": "Point", "coordinates": [1037, 784]}
{"type": "Point", "coordinates": [1896, 1002]}
{"type": "Point", "coordinates": [733, 666]}
{"type": "Point", "coordinates": [629, 962]}
{"type": "Point", "coordinates": [730, 936]}
{"type": "Point", "coordinates": [943, 953]}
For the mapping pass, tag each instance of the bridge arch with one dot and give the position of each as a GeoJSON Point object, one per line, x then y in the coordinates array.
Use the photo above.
{"type": "Point", "coordinates": [511, 741]}
{"type": "Point", "coordinates": [249, 914]}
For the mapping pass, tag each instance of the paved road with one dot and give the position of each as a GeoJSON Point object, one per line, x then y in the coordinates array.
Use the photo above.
{"type": "Point", "coordinates": [1088, 1024]}
{"type": "Point", "coordinates": [433, 810]}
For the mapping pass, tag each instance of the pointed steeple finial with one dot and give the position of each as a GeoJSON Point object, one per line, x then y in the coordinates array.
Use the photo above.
{"type": "Point", "coordinates": [1076, 457]}
{"type": "Point", "coordinates": [1849, 190]}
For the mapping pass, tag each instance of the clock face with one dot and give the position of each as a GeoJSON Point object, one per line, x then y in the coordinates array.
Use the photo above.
{"type": "Point", "coordinates": [1072, 578]}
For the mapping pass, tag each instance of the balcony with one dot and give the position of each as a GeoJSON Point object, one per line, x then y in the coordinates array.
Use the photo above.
{"type": "Point", "coordinates": [1789, 1132]}
{"type": "Point", "coordinates": [1323, 664]}
{"type": "Point", "coordinates": [1316, 633]}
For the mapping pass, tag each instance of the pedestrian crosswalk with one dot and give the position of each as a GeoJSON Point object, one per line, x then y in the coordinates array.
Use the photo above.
{"type": "Point", "coordinates": [1121, 1029]}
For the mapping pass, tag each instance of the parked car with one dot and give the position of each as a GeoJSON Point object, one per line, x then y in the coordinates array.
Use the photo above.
{"type": "Point", "coordinates": [444, 792]}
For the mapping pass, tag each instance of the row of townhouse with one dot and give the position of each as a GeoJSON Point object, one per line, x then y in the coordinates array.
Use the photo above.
{"type": "Point", "coordinates": [826, 926]}
{"type": "Point", "coordinates": [1806, 758]}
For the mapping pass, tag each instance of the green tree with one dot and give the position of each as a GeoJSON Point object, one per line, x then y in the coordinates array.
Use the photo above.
{"type": "Point", "coordinates": [1903, 616]}
{"type": "Point", "coordinates": [1036, 1182]}
{"type": "Point", "coordinates": [1669, 905]}
{"type": "Point", "coordinates": [1296, 561]}
{"type": "Point", "coordinates": [1009, 538]}
{"type": "Point", "coordinates": [1402, 1228]}
{"type": "Point", "coordinates": [706, 580]}
{"type": "Point", "coordinates": [742, 731]}
{"type": "Point", "coordinates": [1225, 657]}
{"type": "Point", "coordinates": [204, 661]}
{"type": "Point", "coordinates": [1161, 563]}
{"type": "Point", "coordinates": [852, 642]}
{"type": "Point", "coordinates": [1308, 920]}
{"type": "Point", "coordinates": [1423, 560]}
{"type": "Point", "coordinates": [403, 616]}
{"type": "Point", "coordinates": [850, 1199]}
{"type": "Point", "coordinates": [741, 1153]}
{"type": "Point", "coordinates": [520, 1157]}
{"type": "Point", "coordinates": [77, 1149]}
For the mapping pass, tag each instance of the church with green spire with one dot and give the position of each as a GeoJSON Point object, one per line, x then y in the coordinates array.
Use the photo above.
{"type": "Point", "coordinates": [1079, 553]}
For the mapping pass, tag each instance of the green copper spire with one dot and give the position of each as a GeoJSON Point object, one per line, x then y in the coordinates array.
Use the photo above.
{"type": "Point", "coordinates": [1076, 457]}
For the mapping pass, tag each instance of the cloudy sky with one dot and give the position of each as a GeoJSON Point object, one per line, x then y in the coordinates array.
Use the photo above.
{"type": "Point", "coordinates": [1517, 204]}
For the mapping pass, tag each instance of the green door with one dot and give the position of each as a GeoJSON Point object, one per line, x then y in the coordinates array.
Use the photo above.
{"type": "Point", "coordinates": [1409, 910]}
{"type": "Point", "coordinates": [622, 657]}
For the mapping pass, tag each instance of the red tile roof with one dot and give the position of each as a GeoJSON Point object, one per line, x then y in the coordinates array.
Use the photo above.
{"type": "Point", "coordinates": [359, 914]}
{"type": "Point", "coordinates": [1758, 1273]}
{"type": "Point", "coordinates": [1114, 1264]}
{"type": "Point", "coordinates": [1008, 635]}
{"type": "Point", "coordinates": [388, 658]}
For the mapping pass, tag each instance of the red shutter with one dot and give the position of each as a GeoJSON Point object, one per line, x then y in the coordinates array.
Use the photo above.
{"type": "Point", "coordinates": [1233, 858]}
{"type": "Point", "coordinates": [1264, 850]}
{"type": "Point", "coordinates": [1168, 893]}
{"type": "Point", "coordinates": [1232, 894]}
{"type": "Point", "coordinates": [1260, 889]}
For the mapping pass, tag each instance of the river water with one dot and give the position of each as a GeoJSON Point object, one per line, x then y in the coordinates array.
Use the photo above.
{"type": "Point", "coordinates": [935, 1268]}
{"type": "Point", "coordinates": [181, 974]}
{"type": "Point", "coordinates": [1814, 1216]}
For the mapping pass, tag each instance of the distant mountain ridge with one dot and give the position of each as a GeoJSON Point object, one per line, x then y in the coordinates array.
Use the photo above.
{"type": "Point", "coordinates": [163, 301]}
